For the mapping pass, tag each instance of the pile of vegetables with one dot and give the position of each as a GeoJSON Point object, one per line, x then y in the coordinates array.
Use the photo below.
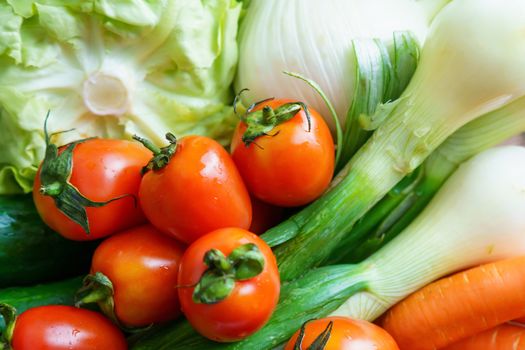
{"type": "Point", "coordinates": [354, 169]}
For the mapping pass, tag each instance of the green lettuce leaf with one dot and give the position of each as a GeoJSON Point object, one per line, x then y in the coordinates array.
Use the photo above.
{"type": "Point", "coordinates": [111, 68]}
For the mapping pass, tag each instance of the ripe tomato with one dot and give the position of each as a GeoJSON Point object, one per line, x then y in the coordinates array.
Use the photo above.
{"type": "Point", "coordinates": [246, 306]}
{"type": "Point", "coordinates": [198, 191]}
{"type": "Point", "coordinates": [102, 170]}
{"type": "Point", "coordinates": [345, 334]}
{"type": "Point", "coordinates": [142, 265]}
{"type": "Point", "coordinates": [58, 327]}
{"type": "Point", "coordinates": [292, 164]}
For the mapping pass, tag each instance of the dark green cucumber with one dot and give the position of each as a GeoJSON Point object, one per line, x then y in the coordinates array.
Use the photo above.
{"type": "Point", "coordinates": [30, 252]}
{"type": "Point", "coordinates": [54, 293]}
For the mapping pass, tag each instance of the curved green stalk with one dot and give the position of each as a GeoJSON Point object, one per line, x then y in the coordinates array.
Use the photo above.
{"type": "Point", "coordinates": [333, 114]}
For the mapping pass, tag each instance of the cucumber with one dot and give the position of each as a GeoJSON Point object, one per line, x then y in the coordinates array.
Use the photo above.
{"type": "Point", "coordinates": [30, 252]}
{"type": "Point", "coordinates": [54, 293]}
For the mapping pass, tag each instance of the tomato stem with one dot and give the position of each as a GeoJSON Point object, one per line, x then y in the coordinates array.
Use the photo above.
{"type": "Point", "coordinates": [214, 258]}
{"type": "Point", "coordinates": [148, 144]}
{"type": "Point", "coordinates": [162, 155]}
{"type": "Point", "coordinates": [250, 108]}
{"type": "Point", "coordinates": [53, 189]}
{"type": "Point", "coordinates": [319, 342]}
{"type": "Point", "coordinates": [97, 288]}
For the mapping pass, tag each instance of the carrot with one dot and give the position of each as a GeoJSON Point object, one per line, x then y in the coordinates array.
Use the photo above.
{"type": "Point", "coordinates": [459, 306]}
{"type": "Point", "coordinates": [502, 337]}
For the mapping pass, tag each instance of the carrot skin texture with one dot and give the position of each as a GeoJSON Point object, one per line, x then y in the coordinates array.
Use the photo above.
{"type": "Point", "coordinates": [502, 337]}
{"type": "Point", "coordinates": [459, 306]}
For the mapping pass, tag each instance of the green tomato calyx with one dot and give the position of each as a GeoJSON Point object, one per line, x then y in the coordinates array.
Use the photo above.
{"type": "Point", "coordinates": [261, 122]}
{"type": "Point", "coordinates": [54, 179]}
{"type": "Point", "coordinates": [218, 281]}
{"type": "Point", "coordinates": [319, 342]}
{"type": "Point", "coordinates": [98, 288]}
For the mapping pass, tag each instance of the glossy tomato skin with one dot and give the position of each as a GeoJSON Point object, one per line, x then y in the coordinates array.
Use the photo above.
{"type": "Point", "coordinates": [347, 334]}
{"type": "Point", "coordinates": [199, 191]}
{"type": "Point", "coordinates": [251, 302]}
{"type": "Point", "coordinates": [143, 265]}
{"type": "Point", "coordinates": [102, 169]}
{"type": "Point", "coordinates": [59, 327]}
{"type": "Point", "coordinates": [291, 168]}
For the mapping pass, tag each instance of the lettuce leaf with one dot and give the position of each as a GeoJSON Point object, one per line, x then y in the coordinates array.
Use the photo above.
{"type": "Point", "coordinates": [111, 68]}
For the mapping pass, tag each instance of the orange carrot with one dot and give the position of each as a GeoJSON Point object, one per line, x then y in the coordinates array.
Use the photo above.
{"type": "Point", "coordinates": [459, 306]}
{"type": "Point", "coordinates": [502, 337]}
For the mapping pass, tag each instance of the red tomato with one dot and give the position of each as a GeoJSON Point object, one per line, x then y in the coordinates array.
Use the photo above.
{"type": "Point", "coordinates": [291, 166]}
{"type": "Point", "coordinates": [102, 169]}
{"type": "Point", "coordinates": [199, 191]}
{"type": "Point", "coordinates": [265, 216]}
{"type": "Point", "coordinates": [60, 327]}
{"type": "Point", "coordinates": [142, 264]}
{"type": "Point", "coordinates": [251, 302]}
{"type": "Point", "coordinates": [346, 334]}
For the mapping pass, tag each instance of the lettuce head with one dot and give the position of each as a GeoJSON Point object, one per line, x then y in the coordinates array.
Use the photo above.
{"type": "Point", "coordinates": [111, 68]}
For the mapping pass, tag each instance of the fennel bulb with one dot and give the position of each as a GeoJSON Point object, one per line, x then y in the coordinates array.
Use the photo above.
{"type": "Point", "coordinates": [471, 64]}
{"type": "Point", "coordinates": [314, 39]}
{"type": "Point", "coordinates": [111, 69]}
